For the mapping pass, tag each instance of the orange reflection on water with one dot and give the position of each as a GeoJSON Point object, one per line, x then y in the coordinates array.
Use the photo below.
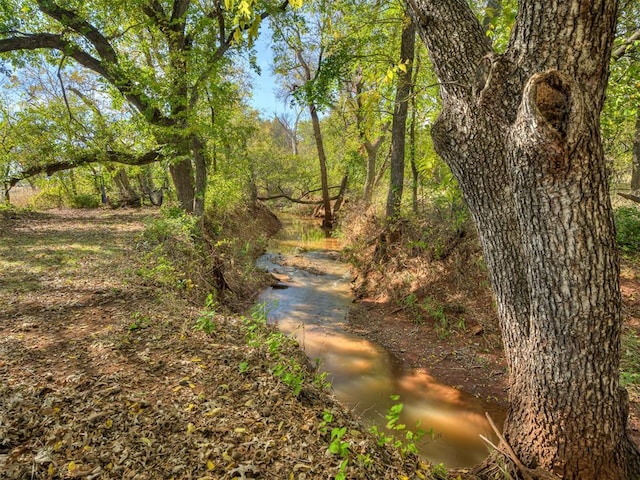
{"type": "Point", "coordinates": [365, 375]}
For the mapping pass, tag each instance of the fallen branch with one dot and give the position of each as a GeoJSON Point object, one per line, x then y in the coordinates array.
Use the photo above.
{"type": "Point", "coordinates": [299, 199]}
{"type": "Point", "coordinates": [507, 451]}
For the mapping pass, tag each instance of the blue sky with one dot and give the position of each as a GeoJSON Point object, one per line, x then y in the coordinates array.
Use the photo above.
{"type": "Point", "coordinates": [264, 85]}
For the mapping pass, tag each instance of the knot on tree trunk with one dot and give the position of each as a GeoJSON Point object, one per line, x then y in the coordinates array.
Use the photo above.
{"type": "Point", "coordinates": [551, 103]}
{"type": "Point", "coordinates": [550, 124]}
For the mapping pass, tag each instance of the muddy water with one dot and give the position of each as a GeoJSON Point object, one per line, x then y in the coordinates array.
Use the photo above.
{"type": "Point", "coordinates": [314, 307]}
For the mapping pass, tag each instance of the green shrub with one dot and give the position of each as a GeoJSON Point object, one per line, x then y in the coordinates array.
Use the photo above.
{"type": "Point", "coordinates": [84, 200]}
{"type": "Point", "coordinates": [46, 199]}
{"type": "Point", "coordinates": [628, 229]}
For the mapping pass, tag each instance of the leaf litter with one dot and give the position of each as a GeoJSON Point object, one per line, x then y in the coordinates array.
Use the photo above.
{"type": "Point", "coordinates": [104, 376]}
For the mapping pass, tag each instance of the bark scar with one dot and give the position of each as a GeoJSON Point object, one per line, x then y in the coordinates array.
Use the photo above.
{"type": "Point", "coordinates": [553, 99]}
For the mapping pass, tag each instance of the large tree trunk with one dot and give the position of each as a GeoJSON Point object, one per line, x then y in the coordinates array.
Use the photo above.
{"type": "Point", "coordinates": [128, 196]}
{"type": "Point", "coordinates": [521, 133]}
{"type": "Point", "coordinates": [182, 176]}
{"type": "Point", "coordinates": [398, 126]}
{"type": "Point", "coordinates": [200, 161]}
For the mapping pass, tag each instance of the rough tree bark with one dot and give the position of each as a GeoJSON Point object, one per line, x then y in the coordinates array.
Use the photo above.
{"type": "Point", "coordinates": [399, 123]}
{"type": "Point", "coordinates": [520, 130]}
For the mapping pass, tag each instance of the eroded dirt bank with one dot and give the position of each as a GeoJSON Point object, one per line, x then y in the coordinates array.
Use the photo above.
{"type": "Point", "coordinates": [430, 304]}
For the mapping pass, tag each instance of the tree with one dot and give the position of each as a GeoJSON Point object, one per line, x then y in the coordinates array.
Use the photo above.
{"type": "Point", "coordinates": [158, 56]}
{"type": "Point", "coordinates": [622, 109]}
{"type": "Point", "coordinates": [520, 130]}
{"type": "Point", "coordinates": [398, 126]}
{"type": "Point", "coordinates": [309, 68]}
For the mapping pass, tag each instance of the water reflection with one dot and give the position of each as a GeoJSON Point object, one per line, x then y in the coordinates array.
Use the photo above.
{"type": "Point", "coordinates": [314, 309]}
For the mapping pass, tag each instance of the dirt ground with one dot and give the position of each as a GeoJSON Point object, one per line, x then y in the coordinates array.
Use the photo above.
{"type": "Point", "coordinates": [105, 377]}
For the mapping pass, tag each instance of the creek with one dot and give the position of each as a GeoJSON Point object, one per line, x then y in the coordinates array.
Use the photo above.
{"type": "Point", "coordinates": [311, 303]}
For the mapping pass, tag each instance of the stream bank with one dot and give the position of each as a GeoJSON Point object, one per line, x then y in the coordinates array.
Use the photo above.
{"type": "Point", "coordinates": [370, 356]}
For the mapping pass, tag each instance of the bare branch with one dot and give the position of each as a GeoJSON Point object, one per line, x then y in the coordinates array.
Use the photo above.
{"type": "Point", "coordinates": [51, 41]}
{"type": "Point", "coordinates": [300, 198]}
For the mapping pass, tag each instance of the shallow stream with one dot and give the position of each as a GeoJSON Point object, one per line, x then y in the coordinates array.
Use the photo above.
{"type": "Point", "coordinates": [313, 306]}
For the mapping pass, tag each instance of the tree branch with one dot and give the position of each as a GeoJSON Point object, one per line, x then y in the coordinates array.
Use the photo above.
{"type": "Point", "coordinates": [180, 8]}
{"type": "Point", "coordinates": [52, 41]}
{"type": "Point", "coordinates": [72, 20]}
{"type": "Point", "coordinates": [455, 39]}
{"type": "Point", "coordinates": [299, 199]}
{"type": "Point", "coordinates": [155, 12]}
{"type": "Point", "coordinates": [110, 156]}
{"type": "Point", "coordinates": [627, 46]}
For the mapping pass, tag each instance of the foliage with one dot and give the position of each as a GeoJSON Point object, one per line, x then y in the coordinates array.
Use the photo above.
{"type": "Point", "coordinates": [139, 321]}
{"type": "Point", "coordinates": [400, 437]}
{"type": "Point", "coordinates": [206, 321]}
{"type": "Point", "coordinates": [85, 200]}
{"type": "Point", "coordinates": [278, 347]}
{"type": "Point", "coordinates": [630, 361]}
{"type": "Point", "coordinates": [621, 109]}
{"type": "Point", "coordinates": [209, 256]}
{"type": "Point", "coordinates": [628, 229]}
{"type": "Point", "coordinates": [168, 64]}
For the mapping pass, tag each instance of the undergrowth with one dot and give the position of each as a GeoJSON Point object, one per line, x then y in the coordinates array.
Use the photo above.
{"type": "Point", "coordinates": [628, 229]}
{"type": "Point", "coordinates": [208, 257]}
{"type": "Point", "coordinates": [429, 265]}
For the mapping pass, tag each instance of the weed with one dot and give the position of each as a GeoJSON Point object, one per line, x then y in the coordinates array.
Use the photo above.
{"type": "Point", "coordinates": [205, 322]}
{"type": "Point", "coordinates": [243, 367]}
{"type": "Point", "coordinates": [444, 328]}
{"type": "Point", "coordinates": [140, 321]}
{"type": "Point", "coordinates": [320, 381]}
{"type": "Point", "coordinates": [439, 472]}
{"type": "Point", "coordinates": [327, 418]}
{"type": "Point", "coordinates": [258, 335]}
{"type": "Point", "coordinates": [342, 470]}
{"type": "Point", "coordinates": [413, 308]}
{"type": "Point", "coordinates": [337, 445]}
{"type": "Point", "coordinates": [364, 460]}
{"type": "Point", "coordinates": [291, 373]}
{"type": "Point", "coordinates": [399, 436]}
